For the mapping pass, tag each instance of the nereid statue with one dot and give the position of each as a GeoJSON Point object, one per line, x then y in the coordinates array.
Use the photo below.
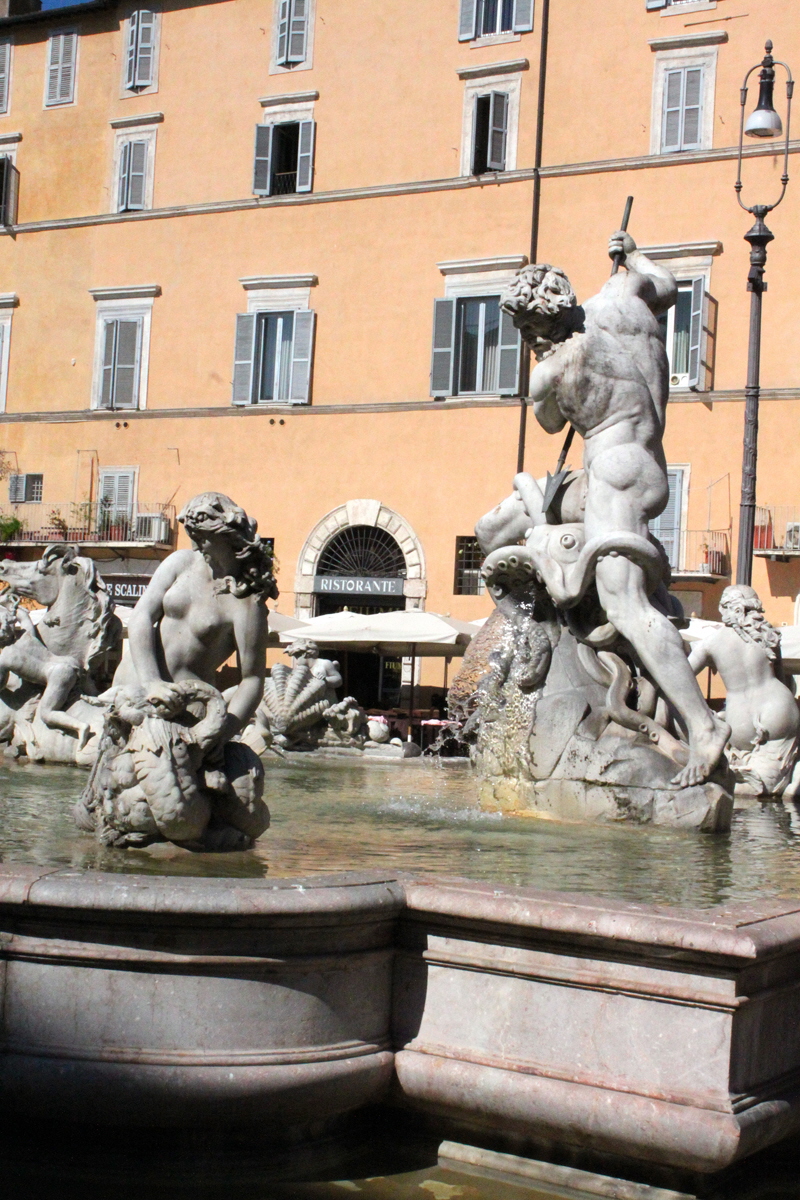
{"type": "Point", "coordinates": [590, 706]}
{"type": "Point", "coordinates": [167, 767]}
{"type": "Point", "coordinates": [762, 713]}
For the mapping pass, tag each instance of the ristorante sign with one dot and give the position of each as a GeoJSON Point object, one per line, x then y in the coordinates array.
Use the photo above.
{"type": "Point", "coordinates": [354, 585]}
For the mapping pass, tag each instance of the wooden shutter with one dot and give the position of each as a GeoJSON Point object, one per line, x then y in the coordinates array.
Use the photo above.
{"type": "Point", "coordinates": [692, 100]}
{"type": "Point", "coordinates": [298, 32]}
{"type": "Point", "coordinates": [116, 492]}
{"type": "Point", "coordinates": [53, 68]}
{"type": "Point", "coordinates": [671, 129]}
{"type": "Point", "coordinates": [133, 41]}
{"type": "Point", "coordinates": [109, 340]}
{"type": "Point", "coordinates": [137, 171]}
{"type": "Point", "coordinates": [126, 363]}
{"type": "Point", "coordinates": [16, 489]}
{"type": "Point", "coordinates": [262, 168]}
{"type": "Point", "coordinates": [302, 351]}
{"type": "Point", "coordinates": [498, 127]}
{"type": "Point", "coordinates": [708, 344]}
{"type": "Point", "coordinates": [510, 348]}
{"type": "Point", "coordinates": [467, 20]}
{"type": "Point", "coordinates": [244, 355]}
{"type": "Point", "coordinates": [650, 5]}
{"type": "Point", "coordinates": [5, 73]}
{"type": "Point", "coordinates": [124, 176]}
{"type": "Point", "coordinates": [145, 49]}
{"type": "Point", "coordinates": [66, 76]}
{"type": "Point", "coordinates": [523, 16]}
{"type": "Point", "coordinates": [696, 332]}
{"type": "Point", "coordinates": [305, 156]}
{"type": "Point", "coordinates": [667, 526]}
{"type": "Point", "coordinates": [443, 355]}
{"type": "Point", "coordinates": [283, 31]}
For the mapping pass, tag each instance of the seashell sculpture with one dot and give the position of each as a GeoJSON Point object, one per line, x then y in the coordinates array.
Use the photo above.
{"type": "Point", "coordinates": [294, 700]}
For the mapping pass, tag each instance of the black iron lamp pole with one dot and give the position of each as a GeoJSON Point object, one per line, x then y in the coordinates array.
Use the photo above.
{"type": "Point", "coordinates": [763, 122]}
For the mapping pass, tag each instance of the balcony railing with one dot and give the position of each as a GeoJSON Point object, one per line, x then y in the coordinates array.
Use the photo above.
{"type": "Point", "coordinates": [284, 183]}
{"type": "Point", "coordinates": [90, 522]}
{"type": "Point", "coordinates": [777, 531]}
{"type": "Point", "coordinates": [704, 554]}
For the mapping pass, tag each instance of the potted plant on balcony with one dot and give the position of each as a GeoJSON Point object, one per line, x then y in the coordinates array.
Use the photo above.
{"type": "Point", "coordinates": [57, 526]}
{"type": "Point", "coordinates": [9, 527]}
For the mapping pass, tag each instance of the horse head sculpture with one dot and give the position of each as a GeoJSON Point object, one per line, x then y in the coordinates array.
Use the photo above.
{"type": "Point", "coordinates": [80, 619]}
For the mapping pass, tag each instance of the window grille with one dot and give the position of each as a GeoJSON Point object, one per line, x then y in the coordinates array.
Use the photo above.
{"type": "Point", "coordinates": [25, 489]}
{"type": "Point", "coordinates": [363, 551]}
{"type": "Point", "coordinates": [468, 580]}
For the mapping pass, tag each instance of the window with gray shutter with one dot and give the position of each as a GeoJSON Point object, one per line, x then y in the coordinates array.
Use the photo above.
{"type": "Point", "coordinates": [305, 155]}
{"type": "Point", "coordinates": [667, 526]}
{"type": "Point", "coordinates": [490, 131]}
{"type": "Point", "coordinates": [696, 331]}
{"type": "Point", "coordinates": [244, 358]}
{"type": "Point", "coordinates": [683, 95]}
{"type": "Point", "coordinates": [117, 489]}
{"type": "Point", "coordinates": [25, 489]}
{"type": "Point", "coordinates": [262, 168]}
{"type": "Point", "coordinates": [122, 337]}
{"type": "Point", "coordinates": [523, 16]}
{"type": "Point", "coordinates": [510, 352]}
{"type": "Point", "coordinates": [140, 62]}
{"type": "Point", "coordinates": [443, 354]}
{"type": "Point", "coordinates": [5, 74]}
{"type": "Point", "coordinates": [482, 18]}
{"type": "Point", "coordinates": [132, 176]}
{"type": "Point", "coordinates": [292, 32]}
{"type": "Point", "coordinates": [689, 336]}
{"type": "Point", "coordinates": [302, 352]}
{"type": "Point", "coordinates": [467, 20]}
{"type": "Point", "coordinates": [651, 5]}
{"type": "Point", "coordinates": [273, 357]}
{"type": "Point", "coordinates": [9, 191]}
{"type": "Point", "coordinates": [62, 54]}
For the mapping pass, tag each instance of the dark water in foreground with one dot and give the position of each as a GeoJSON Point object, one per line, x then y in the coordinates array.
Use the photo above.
{"type": "Point", "coordinates": [424, 818]}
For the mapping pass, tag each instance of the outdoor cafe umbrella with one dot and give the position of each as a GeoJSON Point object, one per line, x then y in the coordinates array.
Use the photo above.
{"type": "Point", "coordinates": [278, 624]}
{"type": "Point", "coordinates": [415, 634]}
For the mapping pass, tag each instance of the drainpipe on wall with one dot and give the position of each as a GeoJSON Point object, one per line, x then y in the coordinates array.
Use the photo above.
{"type": "Point", "coordinates": [525, 369]}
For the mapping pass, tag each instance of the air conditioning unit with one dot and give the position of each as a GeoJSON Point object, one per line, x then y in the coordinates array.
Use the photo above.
{"type": "Point", "coordinates": [152, 527]}
{"type": "Point", "coordinates": [792, 535]}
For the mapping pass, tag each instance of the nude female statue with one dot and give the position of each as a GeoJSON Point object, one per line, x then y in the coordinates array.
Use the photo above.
{"type": "Point", "coordinates": [162, 772]}
{"type": "Point", "coordinates": [603, 368]}
{"type": "Point", "coordinates": [763, 714]}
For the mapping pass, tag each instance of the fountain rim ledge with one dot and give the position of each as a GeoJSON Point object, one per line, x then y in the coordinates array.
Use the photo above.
{"type": "Point", "coordinates": [739, 931]}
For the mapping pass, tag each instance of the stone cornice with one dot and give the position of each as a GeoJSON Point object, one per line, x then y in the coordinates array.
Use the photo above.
{"type": "Point", "coordinates": [511, 67]}
{"type": "Point", "coordinates": [682, 250]}
{"type": "Point", "coordinates": [289, 98]}
{"type": "Point", "coordinates": [8, 139]}
{"type": "Point", "coordinates": [465, 266]}
{"type": "Point", "coordinates": [139, 291]}
{"type": "Point", "coordinates": [154, 118]}
{"type": "Point", "coordinates": [252, 283]}
{"type": "Point", "coordinates": [9, 300]}
{"type": "Point", "coordinates": [689, 41]}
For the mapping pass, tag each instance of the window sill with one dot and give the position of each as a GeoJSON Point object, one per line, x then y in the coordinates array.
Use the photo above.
{"type": "Point", "coordinates": [494, 39]}
{"type": "Point", "coordinates": [688, 6]}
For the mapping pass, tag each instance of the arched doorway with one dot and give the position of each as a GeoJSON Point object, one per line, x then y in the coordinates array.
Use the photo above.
{"type": "Point", "coordinates": [362, 556]}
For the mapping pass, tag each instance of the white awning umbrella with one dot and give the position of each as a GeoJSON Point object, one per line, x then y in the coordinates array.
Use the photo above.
{"type": "Point", "coordinates": [389, 633]}
{"type": "Point", "coordinates": [278, 624]}
{"type": "Point", "coordinates": [790, 648]}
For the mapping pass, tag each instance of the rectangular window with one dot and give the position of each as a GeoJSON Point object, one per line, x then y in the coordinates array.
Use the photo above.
{"type": "Point", "coordinates": [131, 186]}
{"type": "Point", "coordinates": [686, 334]}
{"type": "Point", "coordinates": [292, 32]}
{"type": "Point", "coordinates": [483, 18]}
{"type": "Point", "coordinates": [140, 56]}
{"type": "Point", "coordinates": [9, 191]}
{"type": "Point", "coordinates": [667, 526]}
{"type": "Point", "coordinates": [61, 63]}
{"type": "Point", "coordinates": [490, 132]}
{"type": "Point", "coordinates": [468, 580]}
{"type": "Point", "coordinates": [284, 158]}
{"type": "Point", "coordinates": [272, 358]}
{"type": "Point", "coordinates": [122, 345]}
{"type": "Point", "coordinates": [117, 489]}
{"type": "Point", "coordinates": [476, 348]}
{"type": "Point", "coordinates": [683, 99]}
{"type": "Point", "coordinates": [5, 75]}
{"type": "Point", "coordinates": [25, 489]}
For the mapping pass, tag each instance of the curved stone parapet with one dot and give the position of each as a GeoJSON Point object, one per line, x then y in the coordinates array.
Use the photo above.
{"type": "Point", "coordinates": [150, 1001]}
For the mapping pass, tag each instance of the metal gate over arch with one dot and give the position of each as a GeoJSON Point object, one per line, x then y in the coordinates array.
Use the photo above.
{"type": "Point", "coordinates": [362, 536]}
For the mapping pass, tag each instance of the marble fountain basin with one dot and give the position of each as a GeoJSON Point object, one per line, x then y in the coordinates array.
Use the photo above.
{"type": "Point", "coordinates": [655, 1035]}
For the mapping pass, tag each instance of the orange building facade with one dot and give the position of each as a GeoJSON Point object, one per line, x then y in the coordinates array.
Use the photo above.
{"type": "Point", "coordinates": [256, 246]}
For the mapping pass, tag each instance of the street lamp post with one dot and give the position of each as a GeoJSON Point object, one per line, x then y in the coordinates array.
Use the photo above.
{"type": "Point", "coordinates": [763, 122]}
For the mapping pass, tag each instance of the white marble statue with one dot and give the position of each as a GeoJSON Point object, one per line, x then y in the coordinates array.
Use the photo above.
{"type": "Point", "coordinates": [763, 714]}
{"type": "Point", "coordinates": [603, 368]}
{"type": "Point", "coordinates": [168, 768]}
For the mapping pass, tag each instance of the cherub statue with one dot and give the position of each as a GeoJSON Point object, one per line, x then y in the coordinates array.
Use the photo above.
{"type": "Point", "coordinates": [326, 669]}
{"type": "Point", "coordinates": [762, 713]}
{"type": "Point", "coordinates": [24, 654]}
